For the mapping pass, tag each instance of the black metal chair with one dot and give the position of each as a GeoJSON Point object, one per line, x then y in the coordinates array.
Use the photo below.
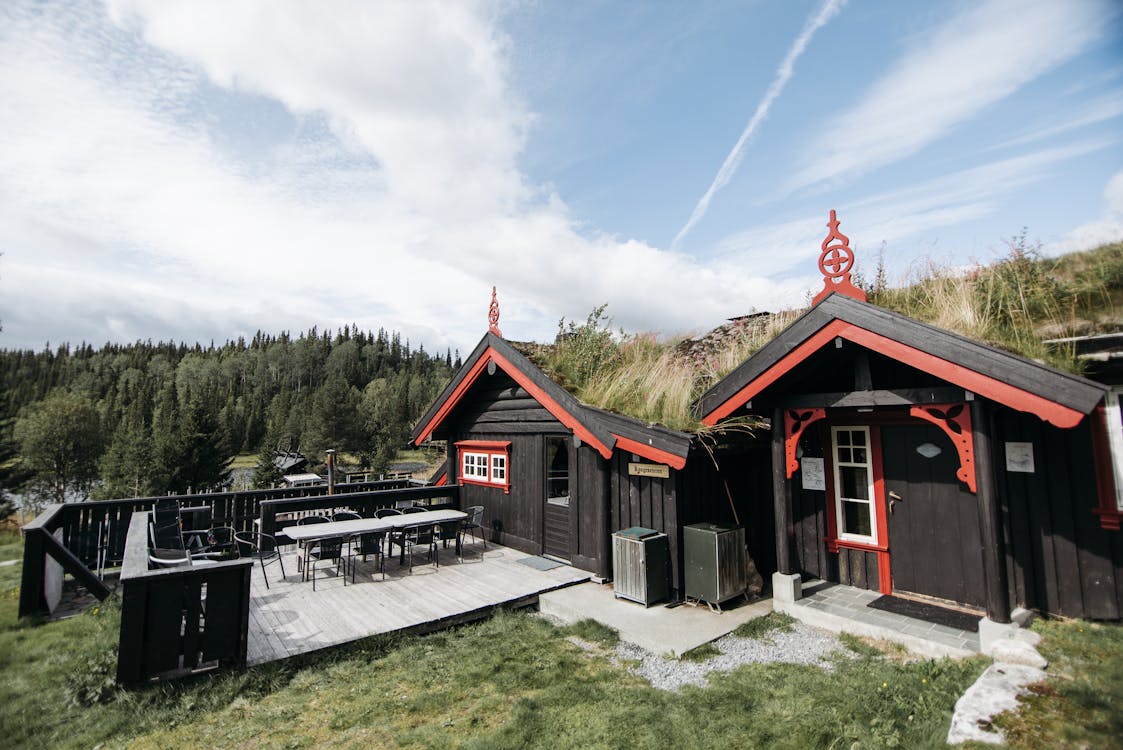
{"type": "Point", "coordinates": [330, 551]}
{"type": "Point", "coordinates": [304, 522]}
{"type": "Point", "coordinates": [419, 536]}
{"type": "Point", "coordinates": [394, 537]}
{"type": "Point", "coordinates": [263, 548]}
{"type": "Point", "coordinates": [449, 531]}
{"type": "Point", "coordinates": [365, 545]}
{"type": "Point", "coordinates": [345, 515]}
{"type": "Point", "coordinates": [474, 522]}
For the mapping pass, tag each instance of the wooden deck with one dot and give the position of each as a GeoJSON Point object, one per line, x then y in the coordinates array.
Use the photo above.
{"type": "Point", "coordinates": [289, 618]}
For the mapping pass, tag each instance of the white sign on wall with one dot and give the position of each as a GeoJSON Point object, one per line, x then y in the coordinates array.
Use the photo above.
{"type": "Point", "coordinates": [813, 475]}
{"type": "Point", "coordinates": [1019, 457]}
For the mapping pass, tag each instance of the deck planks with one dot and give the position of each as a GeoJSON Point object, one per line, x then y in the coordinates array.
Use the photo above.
{"type": "Point", "coordinates": [288, 618]}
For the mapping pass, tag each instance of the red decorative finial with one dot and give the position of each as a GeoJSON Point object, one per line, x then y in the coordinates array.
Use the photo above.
{"type": "Point", "coordinates": [835, 263]}
{"type": "Point", "coordinates": [493, 315]}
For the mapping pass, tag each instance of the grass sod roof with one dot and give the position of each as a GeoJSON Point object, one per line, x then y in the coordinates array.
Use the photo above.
{"type": "Point", "coordinates": [1014, 304]}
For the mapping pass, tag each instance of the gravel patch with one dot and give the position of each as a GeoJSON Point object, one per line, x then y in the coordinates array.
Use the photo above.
{"type": "Point", "coordinates": [801, 645]}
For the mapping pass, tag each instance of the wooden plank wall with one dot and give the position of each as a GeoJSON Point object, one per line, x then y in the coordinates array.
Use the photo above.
{"type": "Point", "coordinates": [809, 521]}
{"type": "Point", "coordinates": [1058, 558]}
{"type": "Point", "coordinates": [591, 516]}
{"type": "Point", "coordinates": [743, 474]}
{"type": "Point", "coordinates": [498, 409]}
{"type": "Point", "coordinates": [649, 502]}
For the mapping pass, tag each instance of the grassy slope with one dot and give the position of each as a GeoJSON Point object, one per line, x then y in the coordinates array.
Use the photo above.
{"type": "Point", "coordinates": [514, 682]}
{"type": "Point", "coordinates": [509, 682]}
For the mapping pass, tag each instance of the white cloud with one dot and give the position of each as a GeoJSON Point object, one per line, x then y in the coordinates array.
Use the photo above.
{"type": "Point", "coordinates": [975, 59]}
{"type": "Point", "coordinates": [1107, 228]}
{"type": "Point", "coordinates": [892, 217]}
{"type": "Point", "coordinates": [128, 214]}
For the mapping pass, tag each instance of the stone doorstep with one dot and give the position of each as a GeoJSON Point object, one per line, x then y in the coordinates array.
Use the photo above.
{"type": "Point", "coordinates": [918, 644]}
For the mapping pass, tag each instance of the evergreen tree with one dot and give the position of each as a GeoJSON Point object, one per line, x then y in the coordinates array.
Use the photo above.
{"type": "Point", "coordinates": [60, 442]}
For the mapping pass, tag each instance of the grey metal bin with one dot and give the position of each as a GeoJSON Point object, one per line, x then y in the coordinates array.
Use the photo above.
{"type": "Point", "coordinates": [715, 560]}
{"type": "Point", "coordinates": [640, 562]}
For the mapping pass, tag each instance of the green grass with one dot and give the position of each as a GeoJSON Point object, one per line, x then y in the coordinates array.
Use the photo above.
{"type": "Point", "coordinates": [701, 653]}
{"type": "Point", "coordinates": [1081, 704]}
{"type": "Point", "coordinates": [594, 632]}
{"type": "Point", "coordinates": [759, 627]}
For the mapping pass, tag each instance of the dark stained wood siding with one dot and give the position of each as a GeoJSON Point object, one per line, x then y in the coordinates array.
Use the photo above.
{"type": "Point", "coordinates": [737, 490]}
{"type": "Point", "coordinates": [649, 502]}
{"type": "Point", "coordinates": [809, 517]}
{"type": "Point", "coordinates": [1058, 558]}
{"type": "Point", "coordinates": [857, 568]}
{"type": "Point", "coordinates": [590, 513]}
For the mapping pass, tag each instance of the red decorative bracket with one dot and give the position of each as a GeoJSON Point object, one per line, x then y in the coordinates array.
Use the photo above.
{"type": "Point", "coordinates": [795, 422]}
{"type": "Point", "coordinates": [835, 263]}
{"type": "Point", "coordinates": [955, 421]}
{"type": "Point", "coordinates": [493, 315]}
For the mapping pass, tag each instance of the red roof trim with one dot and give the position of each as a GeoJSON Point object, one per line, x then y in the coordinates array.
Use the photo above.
{"type": "Point", "coordinates": [442, 481]}
{"type": "Point", "coordinates": [650, 452]}
{"type": "Point", "coordinates": [484, 444]}
{"type": "Point", "coordinates": [490, 354]}
{"type": "Point", "coordinates": [995, 390]}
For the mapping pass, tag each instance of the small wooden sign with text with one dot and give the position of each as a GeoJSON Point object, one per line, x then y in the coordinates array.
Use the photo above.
{"type": "Point", "coordinates": [659, 471]}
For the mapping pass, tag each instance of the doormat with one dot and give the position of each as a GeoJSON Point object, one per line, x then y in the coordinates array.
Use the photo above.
{"type": "Point", "coordinates": [540, 563]}
{"type": "Point", "coordinates": [951, 618]}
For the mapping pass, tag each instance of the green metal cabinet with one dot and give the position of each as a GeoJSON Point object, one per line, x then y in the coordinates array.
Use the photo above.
{"type": "Point", "coordinates": [716, 562]}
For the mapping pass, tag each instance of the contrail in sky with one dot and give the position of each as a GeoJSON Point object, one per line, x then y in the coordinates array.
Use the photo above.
{"type": "Point", "coordinates": [828, 10]}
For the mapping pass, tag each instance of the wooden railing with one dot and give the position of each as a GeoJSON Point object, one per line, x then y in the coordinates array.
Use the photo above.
{"type": "Point", "coordinates": [175, 621]}
{"type": "Point", "coordinates": [80, 538]}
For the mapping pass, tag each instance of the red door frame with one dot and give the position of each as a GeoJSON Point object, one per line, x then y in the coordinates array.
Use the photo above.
{"type": "Point", "coordinates": [874, 421]}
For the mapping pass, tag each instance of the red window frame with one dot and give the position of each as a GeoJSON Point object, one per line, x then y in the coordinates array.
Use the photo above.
{"type": "Point", "coordinates": [492, 449]}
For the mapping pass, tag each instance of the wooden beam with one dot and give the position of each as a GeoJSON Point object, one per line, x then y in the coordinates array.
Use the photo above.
{"type": "Point", "coordinates": [994, 563]}
{"type": "Point", "coordinates": [72, 565]}
{"type": "Point", "coordinates": [870, 398]}
{"type": "Point", "coordinates": [780, 489]}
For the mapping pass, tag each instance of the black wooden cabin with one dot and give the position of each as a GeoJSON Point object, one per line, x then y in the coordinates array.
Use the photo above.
{"type": "Point", "coordinates": [914, 461]}
{"type": "Point", "coordinates": [557, 477]}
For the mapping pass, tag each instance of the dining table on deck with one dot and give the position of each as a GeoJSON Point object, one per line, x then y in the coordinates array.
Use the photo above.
{"type": "Point", "coordinates": [313, 532]}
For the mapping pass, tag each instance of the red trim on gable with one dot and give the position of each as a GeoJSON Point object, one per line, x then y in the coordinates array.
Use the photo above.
{"type": "Point", "coordinates": [650, 452]}
{"type": "Point", "coordinates": [517, 375]}
{"type": "Point", "coordinates": [995, 390]}
{"type": "Point", "coordinates": [442, 481]}
{"type": "Point", "coordinates": [551, 406]}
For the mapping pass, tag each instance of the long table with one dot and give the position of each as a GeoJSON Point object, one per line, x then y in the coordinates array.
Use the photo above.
{"type": "Point", "coordinates": [312, 532]}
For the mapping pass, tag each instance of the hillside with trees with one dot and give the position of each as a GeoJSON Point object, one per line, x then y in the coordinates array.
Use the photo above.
{"type": "Point", "coordinates": [150, 418]}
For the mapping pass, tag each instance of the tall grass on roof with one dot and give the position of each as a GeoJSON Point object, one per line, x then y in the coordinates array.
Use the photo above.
{"type": "Point", "coordinates": [1019, 301]}
{"type": "Point", "coordinates": [648, 380]}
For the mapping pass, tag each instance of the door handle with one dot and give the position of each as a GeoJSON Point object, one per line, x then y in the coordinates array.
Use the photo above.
{"type": "Point", "coordinates": [894, 498]}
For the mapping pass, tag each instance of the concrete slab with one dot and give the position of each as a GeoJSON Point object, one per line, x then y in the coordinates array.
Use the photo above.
{"type": "Point", "coordinates": [657, 629]}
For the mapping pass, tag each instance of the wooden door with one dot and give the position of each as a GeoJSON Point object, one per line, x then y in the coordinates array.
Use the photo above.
{"type": "Point", "coordinates": [555, 513]}
{"type": "Point", "coordinates": [935, 546]}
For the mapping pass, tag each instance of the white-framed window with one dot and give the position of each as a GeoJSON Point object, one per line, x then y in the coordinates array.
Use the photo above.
{"type": "Point", "coordinates": [498, 469]}
{"type": "Point", "coordinates": [485, 462]}
{"type": "Point", "coordinates": [474, 465]}
{"type": "Point", "coordinates": [853, 484]}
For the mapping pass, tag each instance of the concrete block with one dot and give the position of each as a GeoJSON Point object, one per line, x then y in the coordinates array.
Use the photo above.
{"type": "Point", "coordinates": [990, 632]}
{"type": "Point", "coordinates": [786, 587]}
{"type": "Point", "coordinates": [995, 691]}
{"type": "Point", "coordinates": [1015, 651]}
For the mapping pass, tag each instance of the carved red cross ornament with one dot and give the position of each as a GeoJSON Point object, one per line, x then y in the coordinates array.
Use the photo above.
{"type": "Point", "coordinates": [835, 263]}
{"type": "Point", "coordinates": [493, 315]}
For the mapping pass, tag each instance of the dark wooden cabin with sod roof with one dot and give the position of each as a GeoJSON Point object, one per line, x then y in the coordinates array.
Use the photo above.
{"type": "Point", "coordinates": [557, 477]}
{"type": "Point", "coordinates": [913, 461]}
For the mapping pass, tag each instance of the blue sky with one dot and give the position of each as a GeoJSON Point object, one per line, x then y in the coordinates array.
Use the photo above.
{"type": "Point", "coordinates": [202, 170]}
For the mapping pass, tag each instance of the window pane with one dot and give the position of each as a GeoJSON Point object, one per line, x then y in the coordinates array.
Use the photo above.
{"type": "Point", "coordinates": [843, 437]}
{"type": "Point", "coordinates": [557, 468]}
{"type": "Point", "coordinates": [854, 482]}
{"type": "Point", "coordinates": [859, 455]}
{"type": "Point", "coordinates": [856, 518]}
{"type": "Point", "coordinates": [844, 455]}
{"type": "Point", "coordinates": [859, 437]}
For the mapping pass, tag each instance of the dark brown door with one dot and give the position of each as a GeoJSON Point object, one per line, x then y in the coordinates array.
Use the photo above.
{"type": "Point", "coordinates": [934, 542]}
{"type": "Point", "coordinates": [555, 515]}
